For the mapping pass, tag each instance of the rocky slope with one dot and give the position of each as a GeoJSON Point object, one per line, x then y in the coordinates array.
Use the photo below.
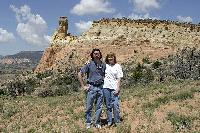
{"type": "Point", "coordinates": [129, 39]}
{"type": "Point", "coordinates": [17, 63]}
{"type": "Point", "coordinates": [22, 57]}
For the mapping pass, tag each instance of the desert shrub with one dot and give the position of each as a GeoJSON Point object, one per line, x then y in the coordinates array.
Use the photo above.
{"type": "Point", "coordinates": [1, 107]}
{"type": "Point", "coordinates": [156, 64]}
{"type": "Point", "coordinates": [2, 91]}
{"type": "Point", "coordinates": [44, 74]}
{"type": "Point", "coordinates": [20, 86]}
{"type": "Point", "coordinates": [30, 84]}
{"type": "Point", "coordinates": [45, 93]}
{"type": "Point", "coordinates": [51, 83]}
{"type": "Point", "coordinates": [146, 60]}
{"type": "Point", "coordinates": [137, 74]}
{"type": "Point", "coordinates": [183, 96]}
{"type": "Point", "coordinates": [9, 110]}
{"type": "Point", "coordinates": [179, 121]}
{"type": "Point", "coordinates": [15, 88]}
{"type": "Point", "coordinates": [61, 83]}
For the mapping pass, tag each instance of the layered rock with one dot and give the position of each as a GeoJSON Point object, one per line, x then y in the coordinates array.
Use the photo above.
{"type": "Point", "coordinates": [129, 39]}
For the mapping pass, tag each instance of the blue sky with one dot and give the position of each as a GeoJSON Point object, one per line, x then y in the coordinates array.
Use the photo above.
{"type": "Point", "coordinates": [28, 24]}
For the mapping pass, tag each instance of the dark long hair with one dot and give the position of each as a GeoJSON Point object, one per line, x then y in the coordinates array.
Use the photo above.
{"type": "Point", "coordinates": [95, 49]}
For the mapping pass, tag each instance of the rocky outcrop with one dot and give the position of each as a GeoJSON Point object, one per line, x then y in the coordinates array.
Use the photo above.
{"type": "Point", "coordinates": [129, 39]}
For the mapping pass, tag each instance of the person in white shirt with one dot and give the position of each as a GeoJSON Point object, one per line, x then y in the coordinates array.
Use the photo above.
{"type": "Point", "coordinates": [111, 88]}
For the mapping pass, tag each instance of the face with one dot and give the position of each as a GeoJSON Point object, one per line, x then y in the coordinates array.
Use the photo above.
{"type": "Point", "coordinates": [96, 55]}
{"type": "Point", "coordinates": [111, 60]}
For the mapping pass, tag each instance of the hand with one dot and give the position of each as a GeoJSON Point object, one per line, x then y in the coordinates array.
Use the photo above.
{"type": "Point", "coordinates": [85, 88]}
{"type": "Point", "coordinates": [116, 92]}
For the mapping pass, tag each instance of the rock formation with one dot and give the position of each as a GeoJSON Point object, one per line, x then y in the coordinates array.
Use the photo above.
{"type": "Point", "coordinates": [129, 39]}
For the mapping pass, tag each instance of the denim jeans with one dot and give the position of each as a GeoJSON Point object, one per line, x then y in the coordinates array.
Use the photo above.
{"type": "Point", "coordinates": [94, 94]}
{"type": "Point", "coordinates": [112, 103]}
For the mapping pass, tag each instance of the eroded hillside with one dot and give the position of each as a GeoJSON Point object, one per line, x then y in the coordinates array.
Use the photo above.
{"type": "Point", "coordinates": [129, 39]}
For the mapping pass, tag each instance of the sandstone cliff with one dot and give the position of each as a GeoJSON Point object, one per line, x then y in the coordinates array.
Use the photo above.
{"type": "Point", "coordinates": [129, 39]}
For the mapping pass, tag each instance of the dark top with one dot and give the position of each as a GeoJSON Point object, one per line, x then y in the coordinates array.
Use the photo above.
{"type": "Point", "coordinates": [95, 73]}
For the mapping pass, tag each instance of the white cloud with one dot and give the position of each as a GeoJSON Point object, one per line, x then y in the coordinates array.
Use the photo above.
{"type": "Point", "coordinates": [145, 6]}
{"type": "Point", "coordinates": [141, 16]}
{"type": "Point", "coordinates": [5, 36]}
{"type": "Point", "coordinates": [135, 16]}
{"type": "Point", "coordinates": [184, 19]}
{"type": "Point", "coordinates": [83, 26]}
{"type": "Point", "coordinates": [92, 7]}
{"type": "Point", "coordinates": [119, 15]}
{"type": "Point", "coordinates": [31, 27]}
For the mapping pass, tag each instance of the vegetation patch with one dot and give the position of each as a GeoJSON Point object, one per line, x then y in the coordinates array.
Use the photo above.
{"type": "Point", "coordinates": [165, 99]}
{"type": "Point", "coordinates": [179, 121]}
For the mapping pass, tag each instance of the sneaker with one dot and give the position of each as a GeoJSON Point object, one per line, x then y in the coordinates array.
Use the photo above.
{"type": "Point", "coordinates": [109, 125]}
{"type": "Point", "coordinates": [116, 124]}
{"type": "Point", "coordinates": [98, 126]}
{"type": "Point", "coordinates": [88, 125]}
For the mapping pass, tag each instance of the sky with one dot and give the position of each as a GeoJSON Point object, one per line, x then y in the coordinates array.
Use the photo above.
{"type": "Point", "coordinates": [27, 25]}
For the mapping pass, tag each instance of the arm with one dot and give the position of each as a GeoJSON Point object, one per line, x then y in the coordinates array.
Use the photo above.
{"type": "Point", "coordinates": [83, 70]}
{"type": "Point", "coordinates": [119, 76]}
{"type": "Point", "coordinates": [80, 78]}
{"type": "Point", "coordinates": [118, 86]}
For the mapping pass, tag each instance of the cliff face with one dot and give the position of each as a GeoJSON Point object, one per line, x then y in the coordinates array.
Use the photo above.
{"type": "Point", "coordinates": [129, 39]}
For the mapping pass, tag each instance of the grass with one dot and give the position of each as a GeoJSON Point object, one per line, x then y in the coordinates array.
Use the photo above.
{"type": "Point", "coordinates": [157, 107]}
{"type": "Point", "coordinates": [179, 121]}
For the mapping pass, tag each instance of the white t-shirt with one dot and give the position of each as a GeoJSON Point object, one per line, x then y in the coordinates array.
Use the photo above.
{"type": "Point", "coordinates": [112, 73]}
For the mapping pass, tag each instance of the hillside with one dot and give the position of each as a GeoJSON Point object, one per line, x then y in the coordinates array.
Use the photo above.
{"type": "Point", "coordinates": [22, 57]}
{"type": "Point", "coordinates": [129, 39]}
{"type": "Point", "coordinates": [18, 63]}
{"type": "Point", "coordinates": [156, 108]}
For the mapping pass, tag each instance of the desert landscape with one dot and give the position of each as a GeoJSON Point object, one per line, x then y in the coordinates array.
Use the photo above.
{"type": "Point", "coordinates": [160, 88]}
{"type": "Point", "coordinates": [44, 44]}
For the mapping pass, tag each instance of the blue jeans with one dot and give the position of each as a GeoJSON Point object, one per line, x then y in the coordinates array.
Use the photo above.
{"type": "Point", "coordinates": [112, 103]}
{"type": "Point", "coordinates": [94, 94]}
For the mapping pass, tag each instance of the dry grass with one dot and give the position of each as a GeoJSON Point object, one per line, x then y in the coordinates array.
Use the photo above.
{"type": "Point", "coordinates": [156, 108]}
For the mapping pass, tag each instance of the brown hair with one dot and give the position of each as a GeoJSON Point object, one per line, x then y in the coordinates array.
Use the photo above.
{"type": "Point", "coordinates": [95, 49]}
{"type": "Point", "coordinates": [110, 55]}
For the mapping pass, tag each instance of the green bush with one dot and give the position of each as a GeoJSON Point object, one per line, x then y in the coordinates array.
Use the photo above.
{"type": "Point", "coordinates": [146, 60]}
{"type": "Point", "coordinates": [30, 84]}
{"type": "Point", "coordinates": [136, 74]}
{"type": "Point", "coordinates": [44, 74]}
{"type": "Point", "coordinates": [9, 110]}
{"type": "Point", "coordinates": [20, 87]}
{"type": "Point", "coordinates": [2, 91]}
{"type": "Point", "coordinates": [179, 121]}
{"type": "Point", "coordinates": [45, 93]}
{"type": "Point", "coordinates": [15, 88]}
{"type": "Point", "coordinates": [156, 64]}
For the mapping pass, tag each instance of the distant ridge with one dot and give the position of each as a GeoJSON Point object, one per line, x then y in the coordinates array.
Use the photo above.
{"type": "Point", "coordinates": [32, 55]}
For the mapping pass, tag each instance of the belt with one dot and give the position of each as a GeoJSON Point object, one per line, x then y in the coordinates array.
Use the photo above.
{"type": "Point", "coordinates": [94, 84]}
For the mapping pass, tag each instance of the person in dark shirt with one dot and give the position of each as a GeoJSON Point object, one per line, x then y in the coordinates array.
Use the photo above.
{"type": "Point", "coordinates": [95, 70]}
